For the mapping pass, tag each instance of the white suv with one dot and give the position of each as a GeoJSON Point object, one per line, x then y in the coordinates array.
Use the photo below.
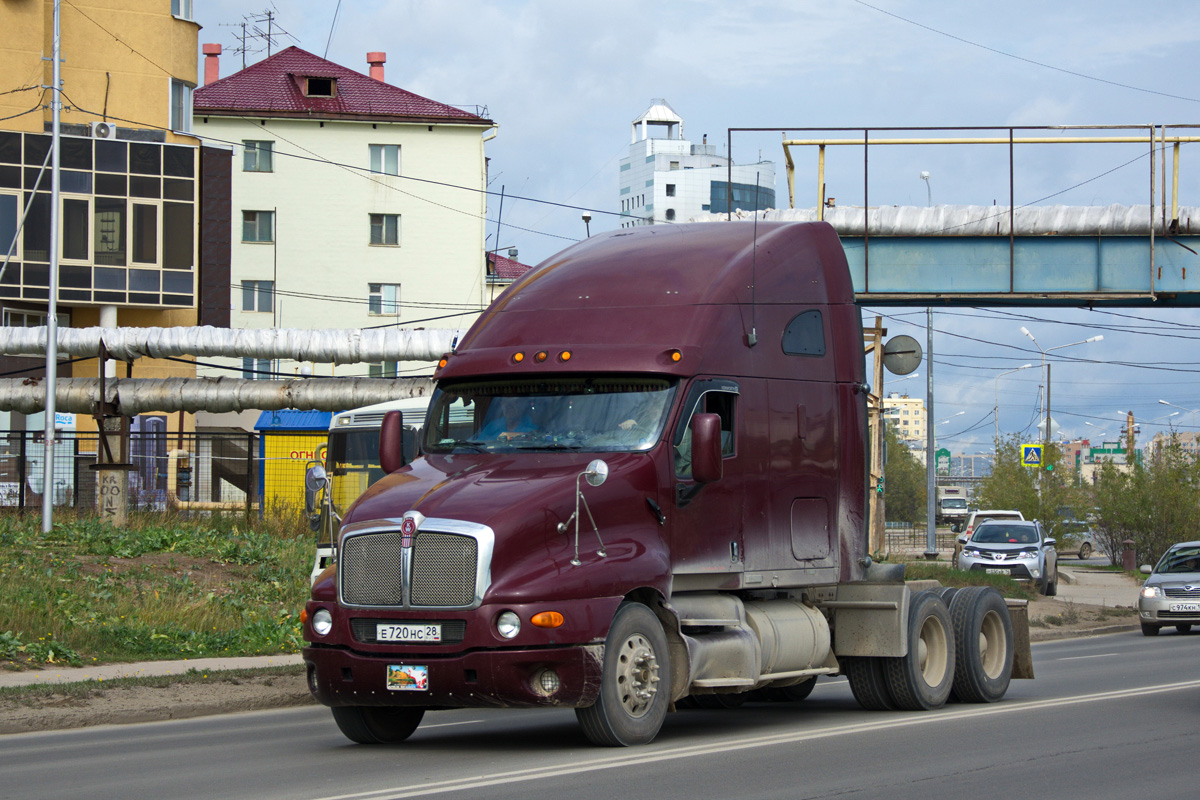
{"type": "Point", "coordinates": [973, 521]}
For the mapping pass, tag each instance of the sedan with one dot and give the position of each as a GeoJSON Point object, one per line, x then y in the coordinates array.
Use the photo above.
{"type": "Point", "coordinates": [1018, 548]}
{"type": "Point", "coordinates": [1171, 595]}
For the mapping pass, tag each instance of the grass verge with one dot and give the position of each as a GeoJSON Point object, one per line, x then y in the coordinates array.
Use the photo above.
{"type": "Point", "coordinates": [81, 690]}
{"type": "Point", "coordinates": [157, 588]}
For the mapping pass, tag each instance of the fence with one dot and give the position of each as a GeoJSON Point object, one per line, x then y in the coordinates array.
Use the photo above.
{"type": "Point", "coordinates": [904, 536]}
{"type": "Point", "coordinates": [183, 473]}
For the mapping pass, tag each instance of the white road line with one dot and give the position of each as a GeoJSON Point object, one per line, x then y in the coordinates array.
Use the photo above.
{"type": "Point", "coordinates": [641, 755]}
{"type": "Point", "coordinates": [452, 724]}
{"type": "Point", "coordinates": [1079, 658]}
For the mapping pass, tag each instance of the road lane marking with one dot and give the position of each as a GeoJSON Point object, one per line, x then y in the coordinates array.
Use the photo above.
{"type": "Point", "coordinates": [1079, 658]}
{"type": "Point", "coordinates": [643, 755]}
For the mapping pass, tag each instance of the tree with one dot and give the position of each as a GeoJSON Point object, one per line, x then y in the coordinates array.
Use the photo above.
{"type": "Point", "coordinates": [1155, 503]}
{"type": "Point", "coordinates": [1048, 493]}
{"type": "Point", "coordinates": [904, 484]}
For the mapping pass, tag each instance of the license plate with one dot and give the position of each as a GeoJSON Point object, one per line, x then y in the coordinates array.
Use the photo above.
{"type": "Point", "coordinates": [407, 678]}
{"type": "Point", "coordinates": [998, 572]}
{"type": "Point", "coordinates": [407, 632]}
{"type": "Point", "coordinates": [1185, 607]}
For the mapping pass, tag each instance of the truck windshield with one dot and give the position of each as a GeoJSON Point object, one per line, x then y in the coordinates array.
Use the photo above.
{"type": "Point", "coordinates": [585, 414]}
{"type": "Point", "coordinates": [954, 502]}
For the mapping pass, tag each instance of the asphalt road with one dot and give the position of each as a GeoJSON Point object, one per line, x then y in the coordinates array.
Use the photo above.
{"type": "Point", "coordinates": [1108, 717]}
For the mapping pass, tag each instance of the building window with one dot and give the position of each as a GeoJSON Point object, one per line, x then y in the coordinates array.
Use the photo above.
{"type": "Point", "coordinates": [258, 295]}
{"type": "Point", "coordinates": [182, 9]}
{"type": "Point", "coordinates": [256, 369]}
{"type": "Point", "coordinates": [670, 190]}
{"type": "Point", "coordinates": [321, 87]}
{"type": "Point", "coordinates": [383, 298]}
{"type": "Point", "coordinates": [674, 165]}
{"type": "Point", "coordinates": [385, 229]}
{"type": "Point", "coordinates": [181, 106]}
{"type": "Point", "coordinates": [385, 370]}
{"type": "Point", "coordinates": [385, 159]}
{"type": "Point", "coordinates": [258, 226]}
{"type": "Point", "coordinates": [670, 215]}
{"type": "Point", "coordinates": [257, 157]}
{"type": "Point", "coordinates": [23, 319]}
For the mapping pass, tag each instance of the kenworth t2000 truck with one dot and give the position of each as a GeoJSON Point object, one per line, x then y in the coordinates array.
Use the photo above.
{"type": "Point", "coordinates": [660, 501]}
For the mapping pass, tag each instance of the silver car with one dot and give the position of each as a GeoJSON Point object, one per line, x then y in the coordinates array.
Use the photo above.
{"type": "Point", "coordinates": [1171, 595]}
{"type": "Point", "coordinates": [1018, 548]}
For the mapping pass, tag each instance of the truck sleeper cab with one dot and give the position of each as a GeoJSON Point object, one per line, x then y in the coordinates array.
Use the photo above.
{"type": "Point", "coordinates": [661, 495]}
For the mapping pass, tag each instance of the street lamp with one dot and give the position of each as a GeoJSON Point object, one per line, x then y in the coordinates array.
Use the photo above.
{"type": "Point", "coordinates": [1181, 408]}
{"type": "Point", "coordinates": [952, 416]}
{"type": "Point", "coordinates": [928, 190]}
{"type": "Point", "coordinates": [587, 225]}
{"type": "Point", "coordinates": [1046, 395]}
{"type": "Point", "coordinates": [996, 409]}
{"type": "Point", "coordinates": [1101, 434]}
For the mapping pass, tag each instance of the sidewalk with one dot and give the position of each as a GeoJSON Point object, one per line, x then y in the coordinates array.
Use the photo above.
{"type": "Point", "coordinates": [1084, 586]}
{"type": "Point", "coordinates": [107, 672]}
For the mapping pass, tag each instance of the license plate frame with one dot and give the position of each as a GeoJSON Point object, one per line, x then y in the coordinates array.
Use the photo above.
{"type": "Point", "coordinates": [408, 632]}
{"type": "Point", "coordinates": [997, 571]}
{"type": "Point", "coordinates": [1185, 608]}
{"type": "Point", "coordinates": [407, 678]}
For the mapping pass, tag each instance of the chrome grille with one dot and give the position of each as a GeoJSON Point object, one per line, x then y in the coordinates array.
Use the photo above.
{"type": "Point", "coordinates": [371, 569]}
{"type": "Point", "coordinates": [1184, 592]}
{"type": "Point", "coordinates": [443, 569]}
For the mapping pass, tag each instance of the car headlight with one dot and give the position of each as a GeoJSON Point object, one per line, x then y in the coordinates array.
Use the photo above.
{"type": "Point", "coordinates": [508, 624]}
{"type": "Point", "coordinates": [1028, 556]}
{"type": "Point", "coordinates": [972, 552]}
{"type": "Point", "coordinates": [322, 622]}
{"type": "Point", "coordinates": [1151, 591]}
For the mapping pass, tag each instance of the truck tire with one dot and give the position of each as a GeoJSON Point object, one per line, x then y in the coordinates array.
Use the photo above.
{"type": "Point", "coordinates": [868, 683]}
{"type": "Point", "coordinates": [377, 724]}
{"type": "Point", "coordinates": [923, 679]}
{"type": "Point", "coordinates": [983, 645]}
{"type": "Point", "coordinates": [633, 697]}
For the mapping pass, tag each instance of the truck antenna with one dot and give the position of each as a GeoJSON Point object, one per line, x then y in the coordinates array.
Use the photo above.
{"type": "Point", "coordinates": [752, 338]}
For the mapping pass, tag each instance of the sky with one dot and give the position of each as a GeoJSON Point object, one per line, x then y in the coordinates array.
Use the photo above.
{"type": "Point", "coordinates": [564, 80]}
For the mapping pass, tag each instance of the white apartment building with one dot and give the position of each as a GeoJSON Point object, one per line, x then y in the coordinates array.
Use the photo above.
{"type": "Point", "coordinates": [906, 416]}
{"type": "Point", "coordinates": [666, 178]}
{"type": "Point", "coordinates": [355, 204]}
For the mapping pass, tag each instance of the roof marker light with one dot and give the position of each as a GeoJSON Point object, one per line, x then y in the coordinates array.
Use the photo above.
{"type": "Point", "coordinates": [541, 356]}
{"type": "Point", "coordinates": [676, 356]}
{"type": "Point", "coordinates": [518, 358]}
{"type": "Point", "coordinates": [565, 355]}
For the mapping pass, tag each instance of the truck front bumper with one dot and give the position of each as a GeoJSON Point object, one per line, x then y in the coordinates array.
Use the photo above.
{"type": "Point", "coordinates": [563, 677]}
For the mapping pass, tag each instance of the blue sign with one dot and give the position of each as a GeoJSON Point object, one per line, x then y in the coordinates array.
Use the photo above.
{"type": "Point", "coordinates": [1031, 455]}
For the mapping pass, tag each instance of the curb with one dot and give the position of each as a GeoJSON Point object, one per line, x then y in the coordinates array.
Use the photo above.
{"type": "Point", "coordinates": [1044, 635]}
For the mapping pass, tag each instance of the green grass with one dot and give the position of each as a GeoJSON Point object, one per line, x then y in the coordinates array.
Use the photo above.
{"type": "Point", "coordinates": [156, 588]}
{"type": "Point", "coordinates": [941, 572]}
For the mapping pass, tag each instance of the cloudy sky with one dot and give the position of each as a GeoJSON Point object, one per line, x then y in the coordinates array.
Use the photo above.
{"type": "Point", "coordinates": [565, 79]}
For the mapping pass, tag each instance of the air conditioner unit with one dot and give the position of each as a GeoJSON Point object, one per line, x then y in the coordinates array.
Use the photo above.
{"type": "Point", "coordinates": [104, 130]}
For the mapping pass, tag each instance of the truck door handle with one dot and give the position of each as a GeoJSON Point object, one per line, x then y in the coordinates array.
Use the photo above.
{"type": "Point", "coordinates": [801, 421]}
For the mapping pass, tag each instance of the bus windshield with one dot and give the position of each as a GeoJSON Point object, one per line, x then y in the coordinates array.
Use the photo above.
{"type": "Point", "coordinates": [609, 414]}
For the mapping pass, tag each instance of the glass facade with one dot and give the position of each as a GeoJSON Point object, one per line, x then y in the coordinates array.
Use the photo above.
{"type": "Point", "coordinates": [743, 197]}
{"type": "Point", "coordinates": [128, 221]}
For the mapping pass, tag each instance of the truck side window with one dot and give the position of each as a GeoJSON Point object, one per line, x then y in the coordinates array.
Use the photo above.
{"type": "Point", "coordinates": [720, 403]}
{"type": "Point", "coordinates": [804, 335]}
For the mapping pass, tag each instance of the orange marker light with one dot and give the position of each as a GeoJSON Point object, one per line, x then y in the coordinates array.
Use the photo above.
{"type": "Point", "coordinates": [518, 358]}
{"type": "Point", "coordinates": [443, 362]}
{"type": "Point", "coordinates": [541, 356]}
{"type": "Point", "coordinates": [565, 355]}
{"type": "Point", "coordinates": [676, 356]}
{"type": "Point", "coordinates": [547, 619]}
{"type": "Point", "coordinates": [303, 615]}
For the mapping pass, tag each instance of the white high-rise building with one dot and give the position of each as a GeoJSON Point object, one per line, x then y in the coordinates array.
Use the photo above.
{"type": "Point", "coordinates": [666, 178]}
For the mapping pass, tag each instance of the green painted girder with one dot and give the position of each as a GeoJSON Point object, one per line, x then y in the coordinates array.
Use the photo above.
{"type": "Point", "coordinates": [1036, 270]}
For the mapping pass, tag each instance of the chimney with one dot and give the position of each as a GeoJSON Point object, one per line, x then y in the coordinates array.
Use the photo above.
{"type": "Point", "coordinates": [212, 63]}
{"type": "Point", "coordinates": [376, 61]}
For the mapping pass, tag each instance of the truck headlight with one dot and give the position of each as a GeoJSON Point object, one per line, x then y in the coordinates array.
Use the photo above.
{"type": "Point", "coordinates": [322, 622]}
{"type": "Point", "coordinates": [508, 624]}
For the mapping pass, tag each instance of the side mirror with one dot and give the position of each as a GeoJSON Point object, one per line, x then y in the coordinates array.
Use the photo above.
{"type": "Point", "coordinates": [1145, 569]}
{"type": "Point", "coordinates": [391, 442]}
{"type": "Point", "coordinates": [706, 448]}
{"type": "Point", "coordinates": [315, 478]}
{"type": "Point", "coordinates": [961, 539]}
{"type": "Point", "coordinates": [1048, 543]}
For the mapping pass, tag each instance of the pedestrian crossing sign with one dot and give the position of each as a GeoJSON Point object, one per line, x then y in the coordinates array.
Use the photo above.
{"type": "Point", "coordinates": [1031, 455]}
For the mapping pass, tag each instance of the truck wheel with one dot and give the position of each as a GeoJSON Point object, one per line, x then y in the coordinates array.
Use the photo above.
{"type": "Point", "coordinates": [1085, 551]}
{"type": "Point", "coordinates": [1149, 630]}
{"type": "Point", "coordinates": [377, 724]}
{"type": "Point", "coordinates": [983, 639]}
{"type": "Point", "coordinates": [633, 697]}
{"type": "Point", "coordinates": [923, 679]}
{"type": "Point", "coordinates": [868, 683]}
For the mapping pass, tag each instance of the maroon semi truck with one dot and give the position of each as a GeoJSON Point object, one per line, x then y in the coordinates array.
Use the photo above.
{"type": "Point", "coordinates": [643, 486]}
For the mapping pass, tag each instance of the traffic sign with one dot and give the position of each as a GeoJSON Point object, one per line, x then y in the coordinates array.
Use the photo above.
{"type": "Point", "coordinates": [942, 457]}
{"type": "Point", "coordinates": [1031, 455]}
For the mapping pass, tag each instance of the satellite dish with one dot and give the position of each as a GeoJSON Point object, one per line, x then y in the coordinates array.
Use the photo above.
{"type": "Point", "coordinates": [902, 355]}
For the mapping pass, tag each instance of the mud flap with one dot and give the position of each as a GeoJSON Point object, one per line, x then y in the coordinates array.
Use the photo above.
{"type": "Point", "coordinates": [1018, 611]}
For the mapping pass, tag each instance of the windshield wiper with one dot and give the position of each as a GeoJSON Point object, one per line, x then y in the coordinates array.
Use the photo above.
{"type": "Point", "coordinates": [548, 446]}
{"type": "Point", "coordinates": [473, 444]}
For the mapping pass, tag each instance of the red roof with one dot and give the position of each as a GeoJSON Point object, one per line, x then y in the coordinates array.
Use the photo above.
{"type": "Point", "coordinates": [505, 269]}
{"type": "Point", "coordinates": [278, 86]}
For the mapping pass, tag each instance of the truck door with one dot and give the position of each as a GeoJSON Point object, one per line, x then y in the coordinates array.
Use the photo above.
{"type": "Point", "coordinates": [707, 519]}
